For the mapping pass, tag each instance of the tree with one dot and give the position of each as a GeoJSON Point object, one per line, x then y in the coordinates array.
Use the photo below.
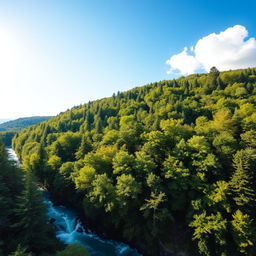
{"type": "Point", "coordinates": [156, 145]}
{"type": "Point", "coordinates": [66, 169]}
{"type": "Point", "coordinates": [110, 138]}
{"type": "Point", "coordinates": [127, 189]}
{"type": "Point", "coordinates": [175, 130]}
{"type": "Point", "coordinates": [211, 83]}
{"type": "Point", "coordinates": [244, 232]}
{"type": "Point", "coordinates": [214, 70]}
{"type": "Point", "coordinates": [222, 122]}
{"type": "Point", "coordinates": [123, 163]}
{"type": "Point", "coordinates": [84, 148]}
{"type": "Point", "coordinates": [30, 214]}
{"type": "Point", "coordinates": [103, 192]}
{"type": "Point", "coordinates": [55, 162]}
{"type": "Point", "coordinates": [219, 194]}
{"type": "Point", "coordinates": [249, 139]}
{"type": "Point", "coordinates": [225, 144]}
{"type": "Point", "coordinates": [209, 230]}
{"type": "Point", "coordinates": [66, 146]}
{"type": "Point", "coordinates": [154, 182]}
{"type": "Point", "coordinates": [153, 207]}
{"type": "Point", "coordinates": [130, 130]}
{"type": "Point", "coordinates": [85, 178]}
{"type": "Point", "coordinates": [178, 180]}
{"type": "Point", "coordinates": [242, 180]}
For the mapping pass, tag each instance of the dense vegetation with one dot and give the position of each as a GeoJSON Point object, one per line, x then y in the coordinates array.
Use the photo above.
{"type": "Point", "coordinates": [170, 166]}
{"type": "Point", "coordinates": [21, 123]}
{"type": "Point", "coordinates": [6, 137]}
{"type": "Point", "coordinates": [23, 222]}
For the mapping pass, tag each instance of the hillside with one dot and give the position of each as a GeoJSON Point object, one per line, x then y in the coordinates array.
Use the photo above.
{"type": "Point", "coordinates": [168, 167]}
{"type": "Point", "coordinates": [21, 123]}
{"type": "Point", "coordinates": [3, 120]}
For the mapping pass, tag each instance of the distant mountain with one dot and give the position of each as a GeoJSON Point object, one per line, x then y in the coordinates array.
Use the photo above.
{"type": "Point", "coordinates": [18, 124]}
{"type": "Point", "coordinates": [3, 120]}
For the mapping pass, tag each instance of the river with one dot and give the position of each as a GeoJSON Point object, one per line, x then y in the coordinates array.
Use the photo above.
{"type": "Point", "coordinates": [70, 229]}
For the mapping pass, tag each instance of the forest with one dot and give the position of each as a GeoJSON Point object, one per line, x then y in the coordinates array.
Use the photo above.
{"type": "Point", "coordinates": [168, 167]}
{"type": "Point", "coordinates": [6, 137]}
{"type": "Point", "coordinates": [24, 228]}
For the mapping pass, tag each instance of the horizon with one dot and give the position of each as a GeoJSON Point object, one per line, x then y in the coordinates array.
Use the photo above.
{"type": "Point", "coordinates": [55, 55]}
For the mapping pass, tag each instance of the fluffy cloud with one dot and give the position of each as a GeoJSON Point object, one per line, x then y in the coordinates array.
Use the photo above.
{"type": "Point", "coordinates": [186, 64]}
{"type": "Point", "coordinates": [229, 49]}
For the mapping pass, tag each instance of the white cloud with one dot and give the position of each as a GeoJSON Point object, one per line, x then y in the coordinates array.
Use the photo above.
{"type": "Point", "coordinates": [229, 49]}
{"type": "Point", "coordinates": [186, 64]}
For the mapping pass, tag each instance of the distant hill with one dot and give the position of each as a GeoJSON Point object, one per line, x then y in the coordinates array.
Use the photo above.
{"type": "Point", "coordinates": [3, 120]}
{"type": "Point", "coordinates": [18, 124]}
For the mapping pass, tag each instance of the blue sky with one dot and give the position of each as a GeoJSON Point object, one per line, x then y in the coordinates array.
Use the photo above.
{"type": "Point", "coordinates": [55, 54]}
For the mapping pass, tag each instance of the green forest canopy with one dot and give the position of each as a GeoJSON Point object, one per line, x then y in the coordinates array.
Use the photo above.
{"type": "Point", "coordinates": [170, 166]}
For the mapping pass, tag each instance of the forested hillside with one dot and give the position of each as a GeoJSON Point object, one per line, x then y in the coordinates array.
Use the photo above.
{"type": "Point", "coordinates": [21, 123]}
{"type": "Point", "coordinates": [169, 166]}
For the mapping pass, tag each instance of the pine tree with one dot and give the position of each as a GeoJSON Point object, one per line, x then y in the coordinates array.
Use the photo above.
{"type": "Point", "coordinates": [30, 217]}
{"type": "Point", "coordinates": [242, 180]}
{"type": "Point", "coordinates": [98, 125]}
{"type": "Point", "coordinates": [85, 147]}
{"type": "Point", "coordinates": [220, 84]}
{"type": "Point", "coordinates": [4, 204]}
{"type": "Point", "coordinates": [156, 124]}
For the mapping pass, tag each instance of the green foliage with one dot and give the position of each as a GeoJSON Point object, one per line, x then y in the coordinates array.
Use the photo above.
{"type": "Point", "coordinates": [127, 188]}
{"type": "Point", "coordinates": [123, 163]}
{"type": "Point", "coordinates": [103, 192]}
{"type": "Point", "coordinates": [85, 177]}
{"type": "Point", "coordinates": [31, 213]}
{"type": "Point", "coordinates": [209, 231]}
{"type": "Point", "coordinates": [6, 137]}
{"type": "Point", "coordinates": [154, 209]}
{"type": "Point", "coordinates": [244, 231]}
{"type": "Point", "coordinates": [158, 163]}
{"type": "Point", "coordinates": [242, 181]}
{"type": "Point", "coordinates": [23, 221]}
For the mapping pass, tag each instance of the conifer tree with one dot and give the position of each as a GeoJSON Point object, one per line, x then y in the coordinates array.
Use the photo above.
{"type": "Point", "coordinates": [30, 222]}
{"type": "Point", "coordinates": [84, 148]}
{"type": "Point", "coordinates": [242, 181]}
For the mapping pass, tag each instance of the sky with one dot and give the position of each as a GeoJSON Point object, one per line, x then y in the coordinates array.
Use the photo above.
{"type": "Point", "coordinates": [55, 54]}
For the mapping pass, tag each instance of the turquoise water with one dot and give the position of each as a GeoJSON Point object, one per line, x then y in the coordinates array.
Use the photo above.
{"type": "Point", "coordinates": [69, 229]}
